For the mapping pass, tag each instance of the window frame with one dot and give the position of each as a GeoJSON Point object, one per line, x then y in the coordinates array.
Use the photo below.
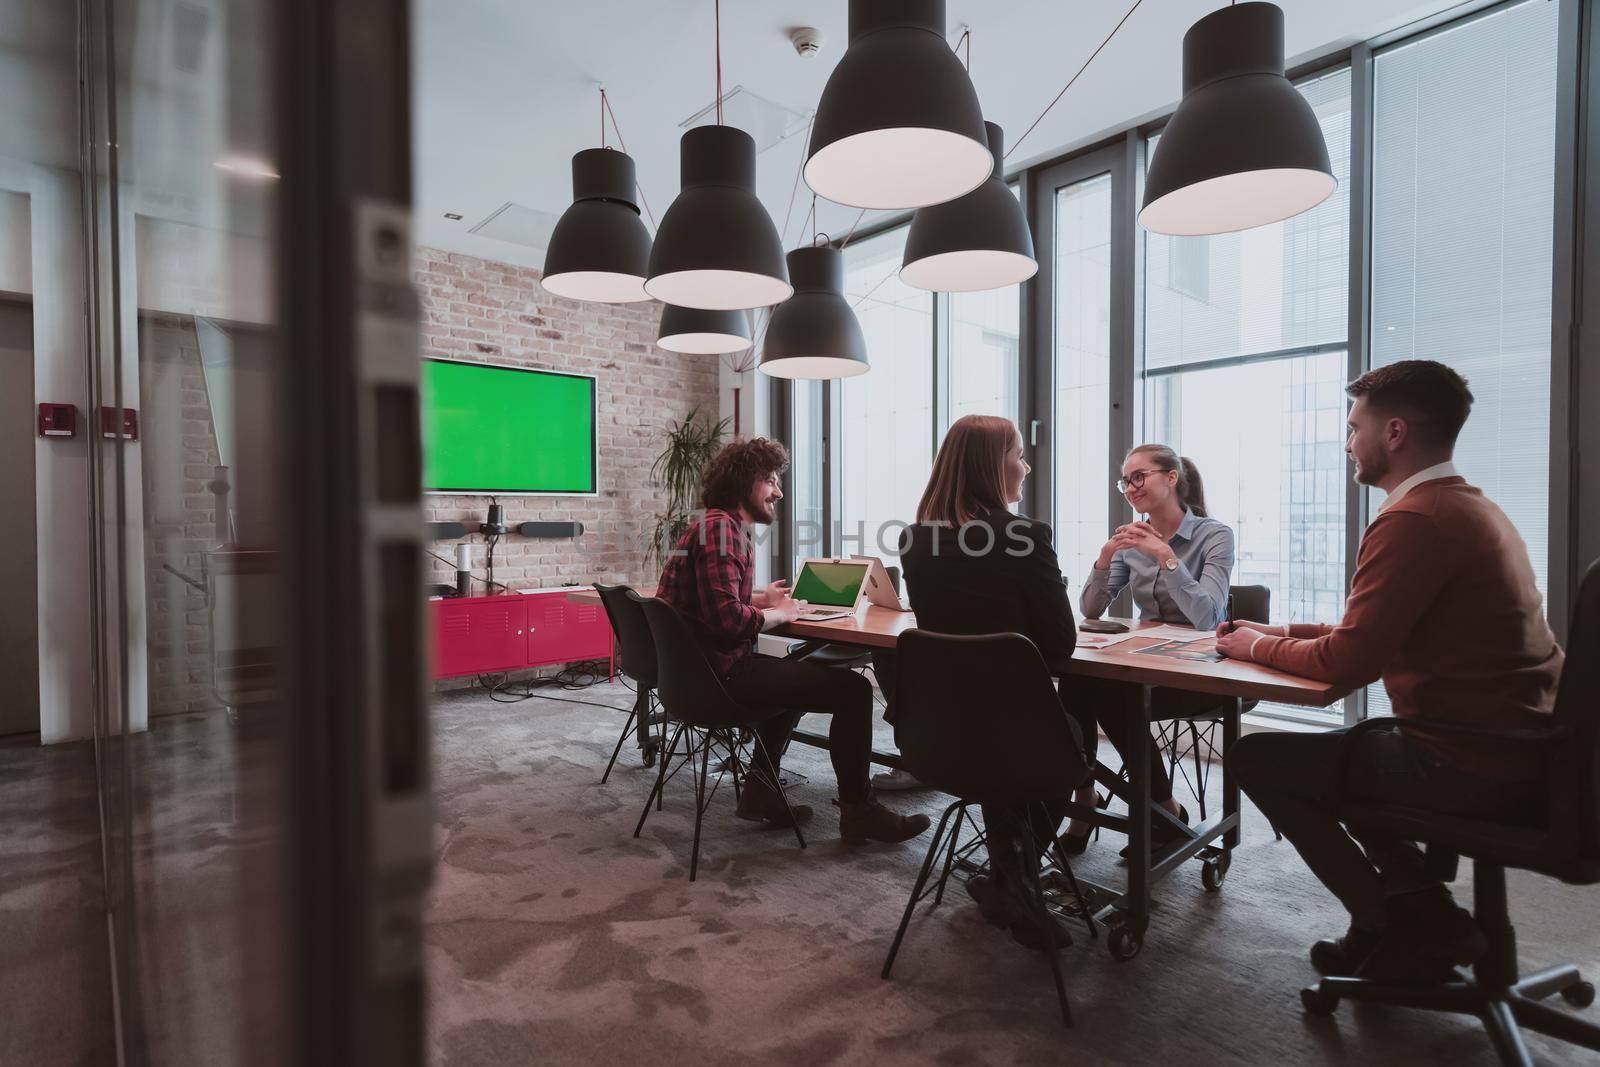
{"type": "Point", "coordinates": [1125, 147]}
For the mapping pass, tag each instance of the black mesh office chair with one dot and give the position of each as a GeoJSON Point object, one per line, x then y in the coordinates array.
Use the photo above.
{"type": "Point", "coordinates": [639, 663]}
{"type": "Point", "coordinates": [978, 717]}
{"type": "Point", "coordinates": [850, 657]}
{"type": "Point", "coordinates": [698, 705]}
{"type": "Point", "coordinates": [1564, 844]}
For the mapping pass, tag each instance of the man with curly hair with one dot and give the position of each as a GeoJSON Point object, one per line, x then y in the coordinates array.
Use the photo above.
{"type": "Point", "coordinates": [708, 579]}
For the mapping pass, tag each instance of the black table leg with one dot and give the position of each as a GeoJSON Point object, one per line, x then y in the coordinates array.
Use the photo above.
{"type": "Point", "coordinates": [1127, 929]}
{"type": "Point", "coordinates": [1230, 784]}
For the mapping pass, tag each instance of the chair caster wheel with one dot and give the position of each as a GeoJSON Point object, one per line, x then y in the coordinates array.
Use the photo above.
{"type": "Point", "coordinates": [1124, 943]}
{"type": "Point", "coordinates": [1316, 1002]}
{"type": "Point", "coordinates": [1215, 871]}
{"type": "Point", "coordinates": [650, 755]}
{"type": "Point", "coordinates": [1579, 995]}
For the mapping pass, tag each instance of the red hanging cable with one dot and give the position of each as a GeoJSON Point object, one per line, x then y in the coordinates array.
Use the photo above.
{"type": "Point", "coordinates": [603, 117]}
{"type": "Point", "coordinates": [852, 232]}
{"type": "Point", "coordinates": [966, 35]}
{"type": "Point", "coordinates": [617, 129]}
{"type": "Point", "coordinates": [1015, 144]}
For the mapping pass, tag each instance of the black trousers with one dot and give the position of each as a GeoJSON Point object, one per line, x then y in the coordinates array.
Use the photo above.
{"type": "Point", "coordinates": [1114, 706]}
{"type": "Point", "coordinates": [1291, 778]}
{"type": "Point", "coordinates": [782, 690]}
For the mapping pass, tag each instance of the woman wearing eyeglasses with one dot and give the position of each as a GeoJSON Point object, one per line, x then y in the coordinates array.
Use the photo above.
{"type": "Point", "coordinates": [1176, 562]}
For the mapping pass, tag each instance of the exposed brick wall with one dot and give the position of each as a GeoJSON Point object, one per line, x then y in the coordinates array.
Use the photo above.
{"type": "Point", "coordinates": [180, 453]}
{"type": "Point", "coordinates": [477, 309]}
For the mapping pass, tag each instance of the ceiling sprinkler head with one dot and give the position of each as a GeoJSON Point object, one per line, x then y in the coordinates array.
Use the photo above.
{"type": "Point", "coordinates": [807, 41]}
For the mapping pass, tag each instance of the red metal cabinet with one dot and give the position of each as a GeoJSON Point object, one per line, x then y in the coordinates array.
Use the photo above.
{"type": "Point", "coordinates": [510, 631]}
{"type": "Point", "coordinates": [563, 630]}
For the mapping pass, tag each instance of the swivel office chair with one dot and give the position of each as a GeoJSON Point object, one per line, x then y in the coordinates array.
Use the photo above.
{"type": "Point", "coordinates": [1564, 844]}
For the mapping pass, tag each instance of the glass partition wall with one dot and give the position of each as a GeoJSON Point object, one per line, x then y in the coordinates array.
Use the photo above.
{"type": "Point", "coordinates": [162, 500]}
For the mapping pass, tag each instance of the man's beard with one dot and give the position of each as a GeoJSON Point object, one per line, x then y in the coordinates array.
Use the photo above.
{"type": "Point", "coordinates": [760, 509]}
{"type": "Point", "coordinates": [1371, 472]}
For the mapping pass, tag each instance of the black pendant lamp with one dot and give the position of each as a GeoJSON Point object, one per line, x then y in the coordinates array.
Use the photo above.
{"type": "Point", "coordinates": [1244, 149]}
{"type": "Point", "coordinates": [696, 331]}
{"type": "Point", "coordinates": [978, 241]}
{"type": "Point", "coordinates": [717, 248]}
{"type": "Point", "coordinates": [898, 125]}
{"type": "Point", "coordinates": [599, 249]}
{"type": "Point", "coordinates": [814, 334]}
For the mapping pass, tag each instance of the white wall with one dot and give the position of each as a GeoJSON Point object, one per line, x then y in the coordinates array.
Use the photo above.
{"type": "Point", "coordinates": [54, 277]}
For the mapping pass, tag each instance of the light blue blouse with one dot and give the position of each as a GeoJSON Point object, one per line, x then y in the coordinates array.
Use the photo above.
{"type": "Point", "coordinates": [1195, 594]}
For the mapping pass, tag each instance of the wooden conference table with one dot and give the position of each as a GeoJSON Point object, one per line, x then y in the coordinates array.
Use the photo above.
{"type": "Point", "coordinates": [1125, 913]}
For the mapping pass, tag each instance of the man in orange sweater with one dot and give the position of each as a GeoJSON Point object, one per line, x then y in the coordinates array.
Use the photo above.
{"type": "Point", "coordinates": [1445, 609]}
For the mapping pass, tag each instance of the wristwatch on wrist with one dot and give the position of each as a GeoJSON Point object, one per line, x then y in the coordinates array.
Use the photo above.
{"type": "Point", "coordinates": [1171, 564]}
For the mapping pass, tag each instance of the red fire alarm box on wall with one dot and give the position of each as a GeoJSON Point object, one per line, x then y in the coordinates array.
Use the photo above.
{"type": "Point", "coordinates": [126, 426]}
{"type": "Point", "coordinates": [58, 420]}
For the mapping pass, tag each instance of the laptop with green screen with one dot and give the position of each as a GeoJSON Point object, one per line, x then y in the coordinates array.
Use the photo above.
{"type": "Point", "coordinates": [829, 586]}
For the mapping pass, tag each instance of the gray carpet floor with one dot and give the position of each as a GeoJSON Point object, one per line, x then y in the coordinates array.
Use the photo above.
{"type": "Point", "coordinates": [555, 936]}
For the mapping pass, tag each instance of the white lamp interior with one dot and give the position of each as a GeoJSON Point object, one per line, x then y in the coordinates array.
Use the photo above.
{"type": "Point", "coordinates": [1237, 202]}
{"type": "Point", "coordinates": [907, 167]}
{"type": "Point", "coordinates": [702, 344]}
{"type": "Point", "coordinates": [968, 271]}
{"type": "Point", "coordinates": [807, 368]}
{"type": "Point", "coordinates": [718, 290]}
{"type": "Point", "coordinates": [597, 285]}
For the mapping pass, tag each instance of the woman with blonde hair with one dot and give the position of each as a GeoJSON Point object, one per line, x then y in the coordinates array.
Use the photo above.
{"type": "Point", "coordinates": [973, 567]}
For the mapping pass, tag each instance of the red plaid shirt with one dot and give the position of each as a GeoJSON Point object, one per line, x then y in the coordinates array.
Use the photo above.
{"type": "Point", "coordinates": [708, 580]}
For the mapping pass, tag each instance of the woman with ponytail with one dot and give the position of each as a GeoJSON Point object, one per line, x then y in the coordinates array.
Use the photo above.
{"type": "Point", "coordinates": [1176, 562]}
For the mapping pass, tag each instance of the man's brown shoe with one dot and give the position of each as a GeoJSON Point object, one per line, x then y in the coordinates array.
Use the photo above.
{"type": "Point", "coordinates": [867, 820]}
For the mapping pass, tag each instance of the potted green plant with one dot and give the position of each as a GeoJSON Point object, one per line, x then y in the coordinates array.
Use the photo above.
{"type": "Point", "coordinates": [691, 443]}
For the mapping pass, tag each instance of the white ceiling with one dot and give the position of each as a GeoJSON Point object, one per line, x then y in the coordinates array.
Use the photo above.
{"type": "Point", "coordinates": [505, 91]}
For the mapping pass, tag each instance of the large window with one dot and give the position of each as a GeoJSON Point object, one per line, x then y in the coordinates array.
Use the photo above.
{"type": "Point", "coordinates": [983, 353]}
{"type": "Point", "coordinates": [1463, 199]}
{"type": "Point", "coordinates": [1245, 358]}
{"type": "Point", "coordinates": [1082, 303]}
{"type": "Point", "coordinates": [1244, 363]}
{"type": "Point", "coordinates": [985, 335]}
{"type": "Point", "coordinates": [889, 418]}
{"type": "Point", "coordinates": [807, 459]}
{"type": "Point", "coordinates": [885, 415]}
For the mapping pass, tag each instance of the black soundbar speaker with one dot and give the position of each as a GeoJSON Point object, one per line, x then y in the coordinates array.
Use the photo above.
{"type": "Point", "coordinates": [548, 530]}
{"type": "Point", "coordinates": [445, 531]}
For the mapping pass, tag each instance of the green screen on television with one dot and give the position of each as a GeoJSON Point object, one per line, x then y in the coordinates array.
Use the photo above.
{"type": "Point", "coordinates": [489, 429]}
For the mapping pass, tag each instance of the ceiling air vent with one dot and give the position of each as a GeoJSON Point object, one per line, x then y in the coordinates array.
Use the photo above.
{"type": "Point", "coordinates": [767, 123]}
{"type": "Point", "coordinates": [518, 224]}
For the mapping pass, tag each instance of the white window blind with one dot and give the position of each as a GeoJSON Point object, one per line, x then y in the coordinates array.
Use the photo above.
{"type": "Point", "coordinates": [1462, 205]}
{"type": "Point", "coordinates": [1463, 198]}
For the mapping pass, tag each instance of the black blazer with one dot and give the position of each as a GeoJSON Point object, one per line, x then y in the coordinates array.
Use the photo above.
{"type": "Point", "coordinates": [1005, 580]}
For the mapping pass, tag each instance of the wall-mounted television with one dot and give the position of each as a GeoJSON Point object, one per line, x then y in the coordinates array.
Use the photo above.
{"type": "Point", "coordinates": [507, 430]}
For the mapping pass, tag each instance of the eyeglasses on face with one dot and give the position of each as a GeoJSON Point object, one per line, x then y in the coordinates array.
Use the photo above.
{"type": "Point", "coordinates": [1136, 479]}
